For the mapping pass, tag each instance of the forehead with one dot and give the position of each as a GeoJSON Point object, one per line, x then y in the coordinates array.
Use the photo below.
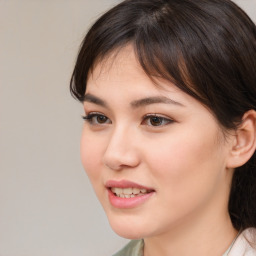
{"type": "Point", "coordinates": [115, 63]}
{"type": "Point", "coordinates": [121, 68]}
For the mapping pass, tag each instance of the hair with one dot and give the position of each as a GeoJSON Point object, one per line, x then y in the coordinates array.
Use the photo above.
{"type": "Point", "coordinates": [207, 48]}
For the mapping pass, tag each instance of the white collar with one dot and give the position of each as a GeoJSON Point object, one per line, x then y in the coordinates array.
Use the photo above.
{"type": "Point", "coordinates": [245, 244]}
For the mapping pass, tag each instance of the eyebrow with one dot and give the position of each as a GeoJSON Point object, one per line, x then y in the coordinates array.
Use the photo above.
{"type": "Point", "coordinates": [93, 99]}
{"type": "Point", "coordinates": [135, 104]}
{"type": "Point", "coordinates": [154, 100]}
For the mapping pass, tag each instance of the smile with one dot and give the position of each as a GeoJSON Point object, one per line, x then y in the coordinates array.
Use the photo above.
{"type": "Point", "coordinates": [129, 192]}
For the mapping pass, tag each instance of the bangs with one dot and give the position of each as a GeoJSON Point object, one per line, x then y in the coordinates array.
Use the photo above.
{"type": "Point", "coordinates": [158, 47]}
{"type": "Point", "coordinates": [164, 59]}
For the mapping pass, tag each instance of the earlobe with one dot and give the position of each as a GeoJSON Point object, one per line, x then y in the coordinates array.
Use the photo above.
{"type": "Point", "coordinates": [244, 142]}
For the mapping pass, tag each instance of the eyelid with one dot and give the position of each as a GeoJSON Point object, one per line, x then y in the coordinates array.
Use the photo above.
{"type": "Point", "coordinates": [93, 113]}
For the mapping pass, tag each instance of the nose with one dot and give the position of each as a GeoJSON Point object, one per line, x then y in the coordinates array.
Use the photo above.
{"type": "Point", "coordinates": [121, 151]}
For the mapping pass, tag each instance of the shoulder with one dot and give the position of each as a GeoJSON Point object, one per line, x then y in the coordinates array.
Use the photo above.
{"type": "Point", "coordinates": [245, 244]}
{"type": "Point", "coordinates": [134, 248]}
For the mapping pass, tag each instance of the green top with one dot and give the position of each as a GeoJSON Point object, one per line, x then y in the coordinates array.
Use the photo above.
{"type": "Point", "coordinates": [133, 248]}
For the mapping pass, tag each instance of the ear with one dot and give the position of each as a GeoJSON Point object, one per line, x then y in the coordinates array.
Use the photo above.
{"type": "Point", "coordinates": [244, 141]}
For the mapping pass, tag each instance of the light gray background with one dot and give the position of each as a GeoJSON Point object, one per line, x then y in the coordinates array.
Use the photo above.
{"type": "Point", "coordinates": [47, 206]}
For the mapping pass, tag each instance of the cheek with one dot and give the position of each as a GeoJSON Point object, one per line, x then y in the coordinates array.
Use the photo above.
{"type": "Point", "coordinates": [90, 150]}
{"type": "Point", "coordinates": [182, 152]}
{"type": "Point", "coordinates": [187, 168]}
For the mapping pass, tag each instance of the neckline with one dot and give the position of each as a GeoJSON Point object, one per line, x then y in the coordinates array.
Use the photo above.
{"type": "Point", "coordinates": [231, 245]}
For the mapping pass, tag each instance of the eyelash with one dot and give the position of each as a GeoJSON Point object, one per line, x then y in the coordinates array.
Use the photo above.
{"type": "Point", "coordinates": [91, 118]}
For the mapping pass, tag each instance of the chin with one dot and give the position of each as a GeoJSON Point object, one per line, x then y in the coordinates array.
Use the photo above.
{"type": "Point", "coordinates": [128, 229]}
{"type": "Point", "coordinates": [129, 233]}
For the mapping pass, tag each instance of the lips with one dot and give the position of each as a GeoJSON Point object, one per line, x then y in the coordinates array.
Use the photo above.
{"type": "Point", "coordinates": [127, 194]}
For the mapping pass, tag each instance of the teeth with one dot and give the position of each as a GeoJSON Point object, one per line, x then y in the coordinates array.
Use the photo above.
{"type": "Point", "coordinates": [128, 192]}
{"type": "Point", "coordinates": [135, 191]}
{"type": "Point", "coordinates": [143, 190]}
{"type": "Point", "coordinates": [118, 191]}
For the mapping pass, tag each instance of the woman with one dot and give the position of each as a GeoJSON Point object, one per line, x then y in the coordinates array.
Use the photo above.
{"type": "Point", "coordinates": [169, 93]}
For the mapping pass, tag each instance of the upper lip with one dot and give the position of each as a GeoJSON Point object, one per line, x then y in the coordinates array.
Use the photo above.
{"type": "Point", "coordinates": [125, 184]}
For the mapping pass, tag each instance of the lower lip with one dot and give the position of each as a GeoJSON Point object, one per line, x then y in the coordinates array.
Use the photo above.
{"type": "Point", "coordinates": [126, 203]}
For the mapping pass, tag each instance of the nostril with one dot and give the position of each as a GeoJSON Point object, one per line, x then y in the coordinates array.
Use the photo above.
{"type": "Point", "coordinates": [113, 166]}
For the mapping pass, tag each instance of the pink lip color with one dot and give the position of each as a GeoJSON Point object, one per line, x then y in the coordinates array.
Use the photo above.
{"type": "Point", "coordinates": [126, 203]}
{"type": "Point", "coordinates": [124, 184]}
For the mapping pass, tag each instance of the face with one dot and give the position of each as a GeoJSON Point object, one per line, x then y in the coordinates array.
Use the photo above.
{"type": "Point", "coordinates": [155, 156]}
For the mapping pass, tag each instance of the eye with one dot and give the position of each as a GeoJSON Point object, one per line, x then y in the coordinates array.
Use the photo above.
{"type": "Point", "coordinates": [155, 120]}
{"type": "Point", "coordinates": [96, 119]}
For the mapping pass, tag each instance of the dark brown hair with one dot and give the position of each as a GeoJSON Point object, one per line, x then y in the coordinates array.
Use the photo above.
{"type": "Point", "coordinates": [207, 48]}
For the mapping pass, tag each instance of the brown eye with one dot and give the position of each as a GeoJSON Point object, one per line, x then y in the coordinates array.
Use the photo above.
{"type": "Point", "coordinates": [101, 119]}
{"type": "Point", "coordinates": [154, 120]}
{"type": "Point", "coordinates": [97, 119]}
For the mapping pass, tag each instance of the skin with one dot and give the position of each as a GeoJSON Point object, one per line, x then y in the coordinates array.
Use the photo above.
{"type": "Point", "coordinates": [183, 158]}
